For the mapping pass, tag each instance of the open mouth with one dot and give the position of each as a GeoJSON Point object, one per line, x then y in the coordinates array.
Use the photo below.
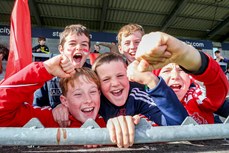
{"type": "Point", "coordinates": [117, 92]}
{"type": "Point", "coordinates": [132, 54]}
{"type": "Point", "coordinates": [88, 109]}
{"type": "Point", "coordinates": [175, 87]}
{"type": "Point", "coordinates": [77, 57]}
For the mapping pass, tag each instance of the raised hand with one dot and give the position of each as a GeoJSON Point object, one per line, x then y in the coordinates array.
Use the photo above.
{"type": "Point", "coordinates": [146, 77]}
{"type": "Point", "coordinates": [160, 49]}
{"type": "Point", "coordinates": [58, 66]}
{"type": "Point", "coordinates": [60, 114]}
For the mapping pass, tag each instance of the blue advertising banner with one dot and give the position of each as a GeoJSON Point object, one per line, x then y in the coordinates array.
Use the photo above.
{"type": "Point", "coordinates": [55, 33]}
{"type": "Point", "coordinates": [99, 36]}
{"type": "Point", "coordinates": [199, 44]}
{"type": "Point", "coordinates": [225, 46]}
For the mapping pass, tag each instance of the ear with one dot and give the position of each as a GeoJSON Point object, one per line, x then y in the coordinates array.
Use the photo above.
{"type": "Point", "coordinates": [64, 100]}
{"type": "Point", "coordinates": [120, 49]}
{"type": "Point", "coordinates": [61, 49]}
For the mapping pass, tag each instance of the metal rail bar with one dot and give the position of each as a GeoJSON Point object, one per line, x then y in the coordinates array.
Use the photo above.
{"type": "Point", "coordinates": [89, 135]}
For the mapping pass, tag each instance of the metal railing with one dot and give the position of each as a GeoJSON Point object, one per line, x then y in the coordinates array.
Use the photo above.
{"type": "Point", "coordinates": [90, 133]}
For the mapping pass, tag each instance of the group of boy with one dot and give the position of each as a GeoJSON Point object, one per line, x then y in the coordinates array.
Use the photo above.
{"type": "Point", "coordinates": [167, 96]}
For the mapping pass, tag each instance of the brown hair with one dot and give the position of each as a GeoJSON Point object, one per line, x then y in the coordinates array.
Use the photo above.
{"type": "Point", "coordinates": [107, 58]}
{"type": "Point", "coordinates": [4, 51]}
{"type": "Point", "coordinates": [84, 71]}
{"type": "Point", "coordinates": [41, 38]}
{"type": "Point", "coordinates": [128, 30]}
{"type": "Point", "coordinates": [75, 28]}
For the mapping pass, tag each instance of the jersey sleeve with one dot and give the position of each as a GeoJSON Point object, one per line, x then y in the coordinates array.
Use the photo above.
{"type": "Point", "coordinates": [164, 108]}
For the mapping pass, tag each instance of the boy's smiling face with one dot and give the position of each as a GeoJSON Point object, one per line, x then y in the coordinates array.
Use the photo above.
{"type": "Point", "coordinates": [129, 45]}
{"type": "Point", "coordinates": [76, 48]}
{"type": "Point", "coordinates": [82, 100]}
{"type": "Point", "coordinates": [114, 82]}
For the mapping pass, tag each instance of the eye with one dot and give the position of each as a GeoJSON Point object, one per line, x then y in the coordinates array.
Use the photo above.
{"type": "Point", "coordinates": [120, 75]}
{"type": "Point", "coordinates": [137, 42]}
{"type": "Point", "coordinates": [85, 44]}
{"type": "Point", "coordinates": [126, 43]}
{"type": "Point", "coordinates": [93, 91]}
{"type": "Point", "coordinates": [166, 71]}
{"type": "Point", "coordinates": [105, 80]}
{"type": "Point", "coordinates": [77, 94]}
{"type": "Point", "coordinates": [71, 44]}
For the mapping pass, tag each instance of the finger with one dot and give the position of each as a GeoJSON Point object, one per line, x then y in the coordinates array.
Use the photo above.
{"type": "Point", "coordinates": [131, 129]}
{"type": "Point", "coordinates": [124, 131]}
{"type": "Point", "coordinates": [60, 123]}
{"type": "Point", "coordinates": [111, 129]}
{"type": "Point", "coordinates": [144, 66]}
{"type": "Point", "coordinates": [136, 119]}
{"type": "Point", "coordinates": [118, 132]}
{"type": "Point", "coordinates": [67, 66]}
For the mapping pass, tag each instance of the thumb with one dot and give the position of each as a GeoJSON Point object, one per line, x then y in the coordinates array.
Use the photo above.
{"type": "Point", "coordinates": [136, 119]}
{"type": "Point", "coordinates": [144, 66]}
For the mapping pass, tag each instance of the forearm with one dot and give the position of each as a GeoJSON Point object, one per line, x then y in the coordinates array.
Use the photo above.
{"type": "Point", "coordinates": [20, 87]}
{"type": "Point", "coordinates": [190, 58]}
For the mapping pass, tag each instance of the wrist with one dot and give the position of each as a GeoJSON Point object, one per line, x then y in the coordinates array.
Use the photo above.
{"type": "Point", "coordinates": [152, 81]}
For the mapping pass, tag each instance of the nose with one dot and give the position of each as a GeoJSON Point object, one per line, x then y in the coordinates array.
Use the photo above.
{"type": "Point", "coordinates": [78, 47]}
{"type": "Point", "coordinates": [132, 45]}
{"type": "Point", "coordinates": [114, 82]}
{"type": "Point", "coordinates": [88, 98]}
{"type": "Point", "coordinates": [174, 74]}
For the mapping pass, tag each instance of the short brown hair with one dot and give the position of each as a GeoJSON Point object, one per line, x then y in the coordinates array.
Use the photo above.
{"type": "Point", "coordinates": [41, 38]}
{"type": "Point", "coordinates": [128, 30]}
{"type": "Point", "coordinates": [74, 28]}
{"type": "Point", "coordinates": [5, 51]}
{"type": "Point", "coordinates": [84, 71]}
{"type": "Point", "coordinates": [107, 58]}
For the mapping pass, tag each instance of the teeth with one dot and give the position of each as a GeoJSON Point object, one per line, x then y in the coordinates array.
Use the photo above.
{"type": "Point", "coordinates": [87, 109]}
{"type": "Point", "coordinates": [132, 54]}
{"type": "Point", "coordinates": [116, 91]}
{"type": "Point", "coordinates": [77, 54]}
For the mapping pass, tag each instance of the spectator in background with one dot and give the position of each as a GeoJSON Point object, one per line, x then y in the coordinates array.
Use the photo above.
{"type": "Point", "coordinates": [41, 47]}
{"type": "Point", "coordinates": [96, 48]}
{"type": "Point", "coordinates": [112, 46]}
{"type": "Point", "coordinates": [4, 53]}
{"type": "Point", "coordinates": [220, 58]}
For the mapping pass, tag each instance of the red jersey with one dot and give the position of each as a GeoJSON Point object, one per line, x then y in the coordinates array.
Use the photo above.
{"type": "Point", "coordinates": [15, 99]}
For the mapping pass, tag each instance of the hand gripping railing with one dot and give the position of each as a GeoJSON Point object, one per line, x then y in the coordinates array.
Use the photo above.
{"type": "Point", "coordinates": [90, 133]}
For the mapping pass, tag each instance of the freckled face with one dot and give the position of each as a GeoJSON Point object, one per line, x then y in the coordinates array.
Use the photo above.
{"type": "Point", "coordinates": [83, 100]}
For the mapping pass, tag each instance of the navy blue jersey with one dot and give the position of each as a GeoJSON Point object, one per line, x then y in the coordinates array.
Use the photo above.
{"type": "Point", "coordinates": [160, 105]}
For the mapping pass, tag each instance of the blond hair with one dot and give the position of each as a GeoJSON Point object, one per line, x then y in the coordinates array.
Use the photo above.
{"type": "Point", "coordinates": [128, 30]}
